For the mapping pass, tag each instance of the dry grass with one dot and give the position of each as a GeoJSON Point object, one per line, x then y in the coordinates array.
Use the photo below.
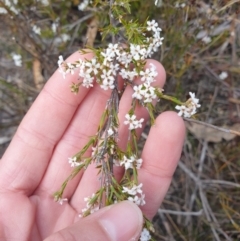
{"type": "Point", "coordinates": [204, 198]}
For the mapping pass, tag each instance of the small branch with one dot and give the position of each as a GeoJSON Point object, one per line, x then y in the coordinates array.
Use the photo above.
{"type": "Point", "coordinates": [212, 126]}
{"type": "Point", "coordinates": [221, 182]}
{"type": "Point", "coordinates": [198, 213]}
{"type": "Point", "coordinates": [79, 21]}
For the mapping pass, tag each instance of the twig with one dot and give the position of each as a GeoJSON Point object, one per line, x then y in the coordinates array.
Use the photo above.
{"type": "Point", "coordinates": [221, 182]}
{"type": "Point", "coordinates": [79, 21]}
{"type": "Point", "coordinates": [198, 213]}
{"type": "Point", "coordinates": [212, 126]}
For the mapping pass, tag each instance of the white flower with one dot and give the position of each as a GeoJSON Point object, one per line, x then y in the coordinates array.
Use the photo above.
{"type": "Point", "coordinates": [139, 124]}
{"type": "Point", "coordinates": [137, 51]}
{"type": "Point", "coordinates": [152, 25]}
{"type": "Point", "coordinates": [88, 81]}
{"type": "Point", "coordinates": [145, 235]}
{"type": "Point", "coordinates": [190, 107]}
{"type": "Point", "coordinates": [60, 60]}
{"type": "Point", "coordinates": [36, 29]}
{"type": "Point", "coordinates": [17, 58]}
{"type": "Point", "coordinates": [132, 122]}
{"type": "Point", "coordinates": [128, 163]}
{"type": "Point", "coordinates": [110, 132]}
{"type": "Point", "coordinates": [148, 93]}
{"type": "Point", "coordinates": [134, 190]}
{"type": "Point", "coordinates": [127, 74]}
{"type": "Point", "coordinates": [113, 49]}
{"type": "Point", "coordinates": [194, 100]}
{"type": "Point", "coordinates": [182, 111]}
{"type": "Point", "coordinates": [113, 68]}
{"type": "Point", "coordinates": [139, 163]}
{"type": "Point", "coordinates": [137, 92]}
{"type": "Point", "coordinates": [138, 200]}
{"type": "Point", "coordinates": [92, 66]}
{"type": "Point", "coordinates": [108, 56]}
{"type": "Point", "coordinates": [149, 74]}
{"type": "Point", "coordinates": [92, 207]}
{"type": "Point", "coordinates": [107, 84]}
{"type": "Point", "coordinates": [107, 75]}
{"type": "Point", "coordinates": [73, 162]}
{"type": "Point", "coordinates": [134, 199]}
{"type": "Point", "coordinates": [61, 66]}
{"type": "Point", "coordinates": [124, 58]}
{"type": "Point", "coordinates": [70, 68]}
{"type": "Point", "coordinates": [223, 76]}
{"type": "Point", "coordinates": [142, 200]}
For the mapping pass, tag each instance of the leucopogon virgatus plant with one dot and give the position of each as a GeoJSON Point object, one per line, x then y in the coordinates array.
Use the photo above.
{"type": "Point", "coordinates": [125, 58]}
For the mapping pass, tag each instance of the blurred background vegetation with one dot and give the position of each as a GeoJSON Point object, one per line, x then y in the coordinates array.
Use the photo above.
{"type": "Point", "coordinates": [201, 53]}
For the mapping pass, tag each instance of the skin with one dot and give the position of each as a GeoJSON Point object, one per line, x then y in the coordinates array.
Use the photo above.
{"type": "Point", "coordinates": [35, 165]}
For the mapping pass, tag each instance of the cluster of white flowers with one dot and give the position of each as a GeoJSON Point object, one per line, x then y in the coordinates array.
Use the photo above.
{"type": "Point", "coordinates": [11, 5]}
{"type": "Point", "coordinates": [136, 194]}
{"type": "Point", "coordinates": [17, 58]}
{"type": "Point", "coordinates": [117, 59]}
{"type": "Point", "coordinates": [73, 162]}
{"type": "Point", "coordinates": [130, 162]}
{"type": "Point", "coordinates": [145, 235]}
{"type": "Point", "coordinates": [144, 92]}
{"type": "Point", "coordinates": [190, 107]}
{"type": "Point", "coordinates": [92, 208]}
{"type": "Point", "coordinates": [133, 122]}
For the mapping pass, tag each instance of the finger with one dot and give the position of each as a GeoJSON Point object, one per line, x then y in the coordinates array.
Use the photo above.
{"type": "Point", "coordinates": [28, 155]}
{"type": "Point", "coordinates": [90, 181]}
{"type": "Point", "coordinates": [84, 124]}
{"type": "Point", "coordinates": [160, 157]}
{"type": "Point", "coordinates": [119, 222]}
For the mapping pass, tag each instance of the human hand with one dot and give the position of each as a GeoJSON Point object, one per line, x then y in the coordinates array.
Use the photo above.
{"type": "Point", "coordinates": [35, 164]}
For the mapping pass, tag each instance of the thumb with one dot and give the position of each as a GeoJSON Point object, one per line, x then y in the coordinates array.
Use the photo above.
{"type": "Point", "coordinates": [119, 222]}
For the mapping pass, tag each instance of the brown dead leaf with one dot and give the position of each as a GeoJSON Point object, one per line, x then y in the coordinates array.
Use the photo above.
{"type": "Point", "coordinates": [210, 134]}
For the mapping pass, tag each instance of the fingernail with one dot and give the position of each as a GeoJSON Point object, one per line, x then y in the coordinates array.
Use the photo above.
{"type": "Point", "coordinates": [122, 221]}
